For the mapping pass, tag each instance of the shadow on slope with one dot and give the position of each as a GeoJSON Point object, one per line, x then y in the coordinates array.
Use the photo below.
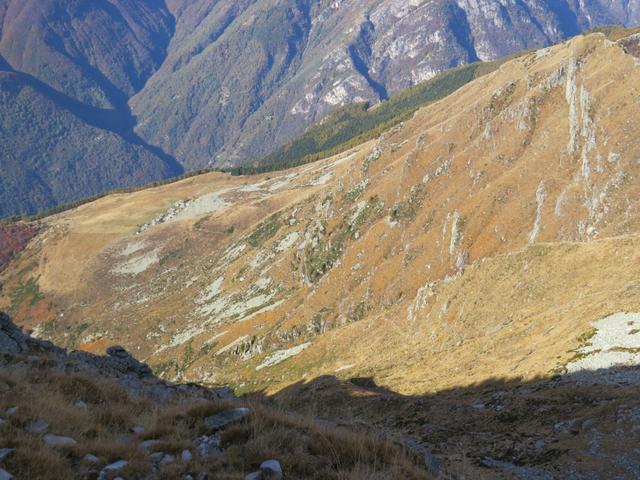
{"type": "Point", "coordinates": [583, 425]}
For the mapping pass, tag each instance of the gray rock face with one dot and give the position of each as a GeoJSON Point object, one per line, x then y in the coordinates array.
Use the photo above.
{"type": "Point", "coordinates": [5, 453]}
{"type": "Point", "coordinates": [58, 440]}
{"type": "Point", "coordinates": [127, 362]}
{"type": "Point", "coordinates": [4, 475]}
{"type": "Point", "coordinates": [632, 45]}
{"type": "Point", "coordinates": [269, 470]}
{"type": "Point", "coordinates": [12, 340]}
{"type": "Point", "coordinates": [208, 446]}
{"type": "Point", "coordinates": [37, 426]}
{"type": "Point", "coordinates": [112, 467]}
{"type": "Point", "coordinates": [226, 418]}
{"type": "Point", "coordinates": [135, 376]}
{"type": "Point", "coordinates": [326, 54]}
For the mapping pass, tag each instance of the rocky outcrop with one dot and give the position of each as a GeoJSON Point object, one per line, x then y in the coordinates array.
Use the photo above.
{"type": "Point", "coordinates": [118, 364]}
{"type": "Point", "coordinates": [631, 45]}
{"type": "Point", "coordinates": [269, 470]}
{"type": "Point", "coordinates": [12, 340]}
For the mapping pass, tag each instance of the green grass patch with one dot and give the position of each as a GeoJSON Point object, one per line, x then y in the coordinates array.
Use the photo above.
{"type": "Point", "coordinates": [28, 291]}
{"type": "Point", "coordinates": [265, 231]}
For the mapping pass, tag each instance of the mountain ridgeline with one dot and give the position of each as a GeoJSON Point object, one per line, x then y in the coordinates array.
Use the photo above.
{"type": "Point", "coordinates": [97, 94]}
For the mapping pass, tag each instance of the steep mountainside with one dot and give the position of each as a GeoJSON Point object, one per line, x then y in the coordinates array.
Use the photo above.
{"type": "Point", "coordinates": [96, 51]}
{"type": "Point", "coordinates": [56, 150]}
{"type": "Point", "coordinates": [243, 77]}
{"type": "Point", "coordinates": [466, 257]}
{"type": "Point", "coordinates": [67, 70]}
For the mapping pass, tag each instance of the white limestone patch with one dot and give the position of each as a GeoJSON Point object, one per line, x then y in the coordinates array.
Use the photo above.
{"type": "Point", "coordinates": [233, 344]}
{"type": "Point", "coordinates": [182, 337]}
{"type": "Point", "coordinates": [342, 160]}
{"type": "Point", "coordinates": [268, 308]}
{"type": "Point", "coordinates": [131, 248]}
{"type": "Point", "coordinates": [212, 291]}
{"type": "Point", "coordinates": [541, 195]}
{"type": "Point", "coordinates": [542, 53]}
{"type": "Point", "coordinates": [343, 368]}
{"type": "Point", "coordinates": [204, 205]}
{"type": "Point", "coordinates": [227, 306]}
{"type": "Point", "coordinates": [615, 345]}
{"type": "Point", "coordinates": [233, 253]}
{"type": "Point", "coordinates": [263, 283]}
{"type": "Point", "coordinates": [321, 180]}
{"type": "Point", "coordinates": [215, 337]}
{"type": "Point", "coordinates": [138, 264]}
{"type": "Point", "coordinates": [287, 242]}
{"type": "Point", "coordinates": [261, 258]}
{"type": "Point", "coordinates": [281, 355]}
{"type": "Point", "coordinates": [456, 233]}
{"type": "Point", "coordinates": [166, 216]}
{"type": "Point", "coordinates": [253, 187]}
{"type": "Point", "coordinates": [282, 182]}
{"type": "Point", "coordinates": [357, 211]}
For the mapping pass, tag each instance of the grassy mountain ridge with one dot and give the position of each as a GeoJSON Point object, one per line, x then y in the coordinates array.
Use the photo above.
{"type": "Point", "coordinates": [208, 106]}
{"type": "Point", "coordinates": [355, 124]}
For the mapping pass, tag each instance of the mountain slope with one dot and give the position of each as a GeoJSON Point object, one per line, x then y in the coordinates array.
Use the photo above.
{"type": "Point", "coordinates": [67, 70]}
{"type": "Point", "coordinates": [208, 105]}
{"type": "Point", "coordinates": [191, 84]}
{"type": "Point", "coordinates": [492, 237]}
{"type": "Point", "coordinates": [98, 52]}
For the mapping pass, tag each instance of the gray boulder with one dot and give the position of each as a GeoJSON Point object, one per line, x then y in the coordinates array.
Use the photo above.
{"type": "Point", "coordinates": [225, 419]}
{"type": "Point", "coordinates": [112, 467]}
{"type": "Point", "coordinates": [137, 429]}
{"type": "Point", "coordinates": [269, 470]}
{"type": "Point", "coordinates": [208, 446]}
{"type": "Point", "coordinates": [5, 453]}
{"type": "Point", "coordinates": [157, 457]}
{"type": "Point", "coordinates": [4, 475]}
{"type": "Point", "coordinates": [186, 456]}
{"type": "Point", "coordinates": [149, 444]}
{"type": "Point", "coordinates": [37, 426]}
{"type": "Point", "coordinates": [58, 440]}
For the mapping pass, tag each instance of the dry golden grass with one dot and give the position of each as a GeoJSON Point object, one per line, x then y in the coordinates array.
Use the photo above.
{"type": "Point", "coordinates": [304, 448]}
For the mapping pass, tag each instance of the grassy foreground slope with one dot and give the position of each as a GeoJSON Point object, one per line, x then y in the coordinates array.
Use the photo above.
{"type": "Point", "coordinates": [111, 412]}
